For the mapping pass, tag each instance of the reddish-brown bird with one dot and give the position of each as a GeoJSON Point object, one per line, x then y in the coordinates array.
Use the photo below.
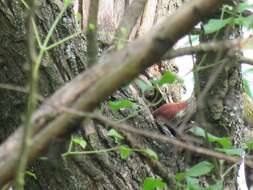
{"type": "Point", "coordinates": [170, 111]}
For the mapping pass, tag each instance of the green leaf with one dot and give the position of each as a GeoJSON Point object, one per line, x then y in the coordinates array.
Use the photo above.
{"type": "Point", "coordinates": [123, 31]}
{"type": "Point", "coordinates": [241, 20]}
{"type": "Point", "coordinates": [246, 86]}
{"type": "Point", "coordinates": [125, 152]}
{"type": "Point", "coordinates": [78, 16]}
{"type": "Point", "coordinates": [224, 141]}
{"type": "Point", "coordinates": [80, 141]}
{"type": "Point", "coordinates": [249, 145]}
{"type": "Point", "coordinates": [152, 183]}
{"type": "Point", "coordinates": [32, 174]}
{"type": "Point", "coordinates": [151, 153]}
{"type": "Point", "coordinates": [169, 78]}
{"type": "Point", "coordinates": [116, 105]}
{"type": "Point", "coordinates": [91, 26]}
{"type": "Point", "coordinates": [232, 151]}
{"type": "Point", "coordinates": [216, 24]}
{"type": "Point", "coordinates": [227, 7]}
{"type": "Point", "coordinates": [192, 183]}
{"type": "Point", "coordinates": [243, 6]}
{"type": "Point", "coordinates": [200, 169]}
{"type": "Point", "coordinates": [114, 134]}
{"type": "Point", "coordinates": [217, 186]}
{"type": "Point", "coordinates": [244, 21]}
{"type": "Point", "coordinates": [180, 176]}
{"type": "Point", "coordinates": [67, 2]}
{"type": "Point", "coordinates": [143, 85]}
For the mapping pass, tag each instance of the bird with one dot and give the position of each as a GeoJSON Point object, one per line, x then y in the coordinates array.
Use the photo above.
{"type": "Point", "coordinates": [176, 111]}
{"type": "Point", "coordinates": [170, 110]}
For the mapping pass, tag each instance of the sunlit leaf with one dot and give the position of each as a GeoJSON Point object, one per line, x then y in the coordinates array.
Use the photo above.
{"type": "Point", "coordinates": [246, 87]}
{"type": "Point", "coordinates": [67, 2]}
{"type": "Point", "coordinates": [123, 31]}
{"type": "Point", "coordinates": [192, 183]}
{"type": "Point", "coordinates": [217, 186]}
{"type": "Point", "coordinates": [169, 78]}
{"type": "Point", "coordinates": [232, 151]}
{"type": "Point", "coordinates": [78, 16]}
{"type": "Point", "coordinates": [91, 26]}
{"type": "Point", "coordinates": [80, 141]}
{"type": "Point", "coordinates": [243, 6]}
{"type": "Point", "coordinates": [152, 183]}
{"type": "Point", "coordinates": [32, 174]}
{"type": "Point", "coordinates": [244, 21]}
{"type": "Point", "coordinates": [200, 169]}
{"type": "Point", "coordinates": [116, 105]}
{"type": "Point", "coordinates": [125, 152]}
{"type": "Point", "coordinates": [114, 134]}
{"type": "Point", "coordinates": [143, 85]}
{"type": "Point", "coordinates": [180, 176]}
{"type": "Point", "coordinates": [151, 153]}
{"type": "Point", "coordinates": [249, 145]}
{"type": "Point", "coordinates": [215, 25]}
{"type": "Point", "coordinates": [224, 141]}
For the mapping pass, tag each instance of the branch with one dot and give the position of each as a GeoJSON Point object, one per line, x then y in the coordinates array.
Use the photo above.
{"type": "Point", "coordinates": [203, 47]}
{"type": "Point", "coordinates": [209, 47]}
{"type": "Point", "coordinates": [168, 140]}
{"type": "Point", "coordinates": [87, 90]}
{"type": "Point", "coordinates": [245, 60]}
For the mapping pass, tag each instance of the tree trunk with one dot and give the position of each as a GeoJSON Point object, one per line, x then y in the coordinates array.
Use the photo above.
{"type": "Point", "coordinates": [61, 64]}
{"type": "Point", "coordinates": [220, 109]}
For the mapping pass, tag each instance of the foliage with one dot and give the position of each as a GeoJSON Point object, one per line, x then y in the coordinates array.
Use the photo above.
{"type": "Point", "coordinates": [215, 25]}
{"type": "Point", "coordinates": [152, 183]}
{"type": "Point", "coordinates": [125, 152]}
{"type": "Point", "coordinates": [223, 141]}
{"type": "Point", "coordinates": [120, 104]}
{"type": "Point", "coordinates": [168, 78]}
{"type": "Point", "coordinates": [232, 151]}
{"type": "Point", "coordinates": [80, 141]}
{"type": "Point", "coordinates": [151, 153]}
{"type": "Point", "coordinates": [31, 174]}
{"type": "Point", "coordinates": [190, 179]}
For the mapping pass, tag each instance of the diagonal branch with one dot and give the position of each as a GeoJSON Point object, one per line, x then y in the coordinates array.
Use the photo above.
{"type": "Point", "coordinates": [90, 88]}
{"type": "Point", "coordinates": [209, 47]}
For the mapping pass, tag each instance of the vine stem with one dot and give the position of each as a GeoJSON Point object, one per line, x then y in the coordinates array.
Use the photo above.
{"type": "Point", "coordinates": [32, 98]}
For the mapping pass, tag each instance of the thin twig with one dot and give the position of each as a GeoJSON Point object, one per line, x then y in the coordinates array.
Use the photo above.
{"type": "Point", "coordinates": [153, 135]}
{"type": "Point", "coordinates": [92, 47]}
{"type": "Point", "coordinates": [210, 47]}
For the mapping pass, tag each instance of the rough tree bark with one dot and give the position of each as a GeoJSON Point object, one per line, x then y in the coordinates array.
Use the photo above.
{"type": "Point", "coordinates": [106, 171]}
{"type": "Point", "coordinates": [60, 65]}
{"type": "Point", "coordinates": [220, 110]}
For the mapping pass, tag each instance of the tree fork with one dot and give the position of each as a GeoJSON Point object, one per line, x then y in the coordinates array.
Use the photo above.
{"type": "Point", "coordinates": [110, 72]}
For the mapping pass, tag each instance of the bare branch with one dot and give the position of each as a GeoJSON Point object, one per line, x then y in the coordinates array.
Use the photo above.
{"type": "Point", "coordinates": [209, 47]}
{"type": "Point", "coordinates": [166, 139]}
{"type": "Point", "coordinates": [87, 90]}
